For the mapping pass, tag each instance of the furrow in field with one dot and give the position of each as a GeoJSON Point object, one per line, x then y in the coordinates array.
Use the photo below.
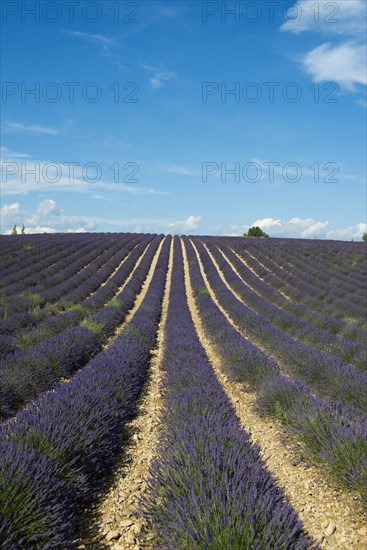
{"type": "Point", "coordinates": [227, 314]}
{"type": "Point", "coordinates": [329, 377]}
{"type": "Point", "coordinates": [289, 323]}
{"type": "Point", "coordinates": [318, 503]}
{"type": "Point", "coordinates": [17, 391]}
{"type": "Point", "coordinates": [315, 284]}
{"type": "Point", "coordinates": [46, 327]}
{"type": "Point", "coordinates": [46, 299]}
{"type": "Point", "coordinates": [307, 311]}
{"type": "Point", "coordinates": [243, 260]}
{"type": "Point", "coordinates": [83, 424]}
{"type": "Point", "coordinates": [295, 294]}
{"type": "Point", "coordinates": [77, 263]}
{"type": "Point", "coordinates": [116, 512]}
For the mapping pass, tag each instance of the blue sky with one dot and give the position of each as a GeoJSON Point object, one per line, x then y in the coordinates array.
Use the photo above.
{"type": "Point", "coordinates": [132, 125]}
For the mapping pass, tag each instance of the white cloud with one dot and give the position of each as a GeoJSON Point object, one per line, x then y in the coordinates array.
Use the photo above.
{"type": "Point", "coordinates": [48, 217]}
{"type": "Point", "coordinates": [190, 224]}
{"type": "Point", "coordinates": [10, 213]}
{"type": "Point", "coordinates": [267, 223]}
{"type": "Point", "coordinates": [160, 76]}
{"type": "Point", "coordinates": [362, 103]}
{"type": "Point", "coordinates": [38, 229]}
{"type": "Point", "coordinates": [314, 229]}
{"type": "Point", "coordinates": [298, 227]}
{"type": "Point", "coordinates": [345, 63]}
{"type": "Point", "coordinates": [306, 228]}
{"type": "Point", "coordinates": [46, 207]}
{"type": "Point", "coordinates": [339, 16]}
{"type": "Point", "coordinates": [352, 232]}
{"type": "Point", "coordinates": [32, 128]}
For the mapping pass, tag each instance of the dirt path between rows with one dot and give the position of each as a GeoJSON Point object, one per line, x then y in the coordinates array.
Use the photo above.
{"type": "Point", "coordinates": [241, 331]}
{"type": "Point", "coordinates": [334, 517]}
{"type": "Point", "coordinates": [266, 269]}
{"type": "Point", "coordinates": [142, 293]}
{"type": "Point", "coordinates": [241, 259]}
{"type": "Point", "coordinates": [118, 527]}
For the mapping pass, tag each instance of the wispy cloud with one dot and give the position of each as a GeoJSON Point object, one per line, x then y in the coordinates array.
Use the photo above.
{"type": "Point", "coordinates": [32, 128]}
{"type": "Point", "coordinates": [7, 153]}
{"type": "Point", "coordinates": [105, 43]}
{"type": "Point", "coordinates": [159, 76]}
{"type": "Point", "coordinates": [21, 177]}
{"type": "Point", "coordinates": [362, 103]}
{"type": "Point", "coordinates": [177, 169]}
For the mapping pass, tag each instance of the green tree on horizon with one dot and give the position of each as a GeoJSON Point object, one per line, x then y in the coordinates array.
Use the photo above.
{"type": "Point", "coordinates": [255, 231]}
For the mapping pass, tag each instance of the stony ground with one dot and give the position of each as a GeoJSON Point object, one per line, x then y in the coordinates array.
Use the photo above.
{"type": "Point", "coordinates": [331, 515]}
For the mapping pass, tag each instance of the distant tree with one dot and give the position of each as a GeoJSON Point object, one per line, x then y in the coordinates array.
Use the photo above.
{"type": "Point", "coordinates": [364, 238]}
{"type": "Point", "coordinates": [14, 232]}
{"type": "Point", "coordinates": [23, 229]}
{"type": "Point", "coordinates": [255, 232]}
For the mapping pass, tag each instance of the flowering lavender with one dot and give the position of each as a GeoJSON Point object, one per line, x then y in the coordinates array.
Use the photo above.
{"type": "Point", "coordinates": [208, 486]}
{"type": "Point", "coordinates": [326, 374]}
{"type": "Point", "coordinates": [26, 373]}
{"type": "Point", "coordinates": [334, 433]}
{"type": "Point", "coordinates": [55, 451]}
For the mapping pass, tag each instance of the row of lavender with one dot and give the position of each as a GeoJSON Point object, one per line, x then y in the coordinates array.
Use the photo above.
{"type": "Point", "coordinates": [343, 260]}
{"type": "Point", "coordinates": [348, 290]}
{"type": "Point", "coordinates": [18, 329]}
{"type": "Point", "coordinates": [25, 328]}
{"type": "Point", "coordinates": [47, 271]}
{"type": "Point", "coordinates": [26, 309]}
{"type": "Point", "coordinates": [48, 284]}
{"type": "Point", "coordinates": [316, 277]}
{"type": "Point", "coordinates": [333, 432]}
{"type": "Point", "coordinates": [328, 375]}
{"type": "Point", "coordinates": [27, 373]}
{"type": "Point", "coordinates": [54, 452]}
{"type": "Point", "coordinates": [209, 487]}
{"type": "Point", "coordinates": [335, 259]}
{"type": "Point", "coordinates": [351, 352]}
{"type": "Point", "coordinates": [293, 270]}
{"type": "Point", "coordinates": [302, 304]}
{"type": "Point", "coordinates": [252, 272]}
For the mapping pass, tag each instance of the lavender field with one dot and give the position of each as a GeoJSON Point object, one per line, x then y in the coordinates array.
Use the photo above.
{"type": "Point", "coordinates": [254, 352]}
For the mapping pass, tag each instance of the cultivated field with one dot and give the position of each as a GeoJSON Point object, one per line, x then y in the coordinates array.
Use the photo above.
{"type": "Point", "coordinates": [187, 392]}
